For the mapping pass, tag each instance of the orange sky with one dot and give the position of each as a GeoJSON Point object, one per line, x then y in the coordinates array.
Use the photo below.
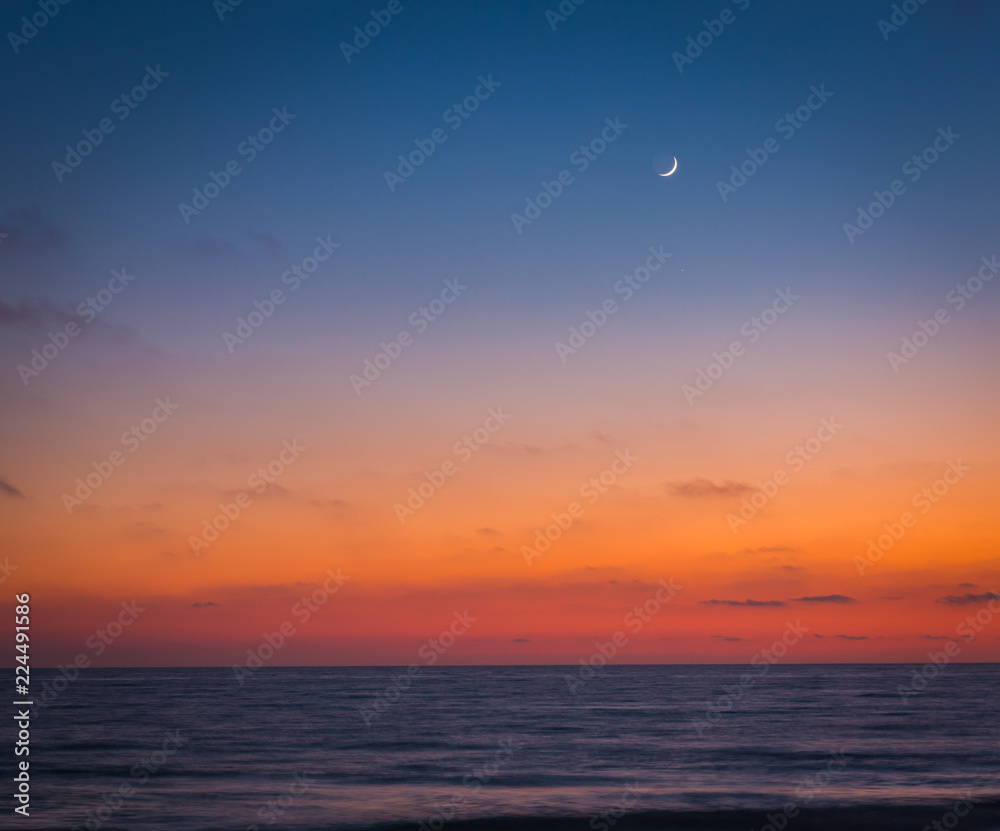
{"type": "Point", "coordinates": [665, 515]}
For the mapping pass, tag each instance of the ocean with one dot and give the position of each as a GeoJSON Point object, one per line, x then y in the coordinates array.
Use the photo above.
{"type": "Point", "coordinates": [652, 747]}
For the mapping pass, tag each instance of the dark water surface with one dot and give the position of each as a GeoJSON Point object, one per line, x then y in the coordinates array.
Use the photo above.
{"type": "Point", "coordinates": [512, 747]}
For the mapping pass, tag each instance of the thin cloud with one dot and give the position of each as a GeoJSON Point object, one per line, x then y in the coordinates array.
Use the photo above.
{"type": "Point", "coordinates": [28, 229]}
{"type": "Point", "coordinates": [852, 637]}
{"type": "Point", "coordinates": [700, 488]}
{"type": "Point", "coordinates": [968, 599]}
{"type": "Point", "coordinates": [729, 638]}
{"type": "Point", "coordinates": [755, 603]}
{"type": "Point", "coordinates": [8, 490]}
{"type": "Point", "coordinates": [200, 605]}
{"type": "Point", "coordinates": [826, 598]}
{"type": "Point", "coordinates": [270, 243]}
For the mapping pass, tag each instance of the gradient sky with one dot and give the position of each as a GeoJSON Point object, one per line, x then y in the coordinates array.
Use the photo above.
{"type": "Point", "coordinates": [323, 176]}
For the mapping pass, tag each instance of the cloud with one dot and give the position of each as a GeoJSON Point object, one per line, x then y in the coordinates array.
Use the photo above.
{"type": "Point", "coordinates": [8, 490]}
{"type": "Point", "coordinates": [44, 313]}
{"type": "Point", "coordinates": [700, 488]}
{"type": "Point", "coordinates": [36, 313]}
{"type": "Point", "coordinates": [28, 229]}
{"type": "Point", "coordinates": [200, 605]}
{"type": "Point", "coordinates": [934, 637]}
{"type": "Point", "coordinates": [819, 636]}
{"type": "Point", "coordinates": [826, 598]}
{"type": "Point", "coordinates": [729, 638]}
{"type": "Point", "coordinates": [743, 603]}
{"type": "Point", "coordinates": [270, 243]}
{"type": "Point", "coordinates": [852, 637]}
{"type": "Point", "coordinates": [968, 586]}
{"type": "Point", "coordinates": [488, 532]}
{"type": "Point", "coordinates": [968, 599]}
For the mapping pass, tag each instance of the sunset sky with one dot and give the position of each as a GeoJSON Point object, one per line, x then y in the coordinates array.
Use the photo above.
{"type": "Point", "coordinates": [478, 389]}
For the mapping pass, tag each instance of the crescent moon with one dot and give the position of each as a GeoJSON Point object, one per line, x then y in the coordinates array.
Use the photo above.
{"type": "Point", "coordinates": [671, 169]}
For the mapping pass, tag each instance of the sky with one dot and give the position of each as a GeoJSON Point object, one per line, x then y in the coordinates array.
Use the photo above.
{"type": "Point", "coordinates": [357, 332]}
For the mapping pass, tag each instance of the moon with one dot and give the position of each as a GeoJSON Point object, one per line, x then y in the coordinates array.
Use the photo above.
{"type": "Point", "coordinates": [671, 169]}
{"type": "Point", "coordinates": [665, 164]}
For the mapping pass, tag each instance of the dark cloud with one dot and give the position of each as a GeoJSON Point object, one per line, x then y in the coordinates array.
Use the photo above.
{"type": "Point", "coordinates": [968, 599]}
{"type": "Point", "coordinates": [270, 243]}
{"type": "Point", "coordinates": [8, 490]}
{"type": "Point", "coordinates": [826, 598]}
{"type": "Point", "coordinates": [934, 637]}
{"type": "Point", "coordinates": [699, 488]}
{"type": "Point", "coordinates": [28, 229]}
{"type": "Point", "coordinates": [852, 637]}
{"type": "Point", "coordinates": [729, 638]}
{"type": "Point", "coordinates": [968, 586]}
{"type": "Point", "coordinates": [743, 603]}
{"type": "Point", "coordinates": [36, 313]}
